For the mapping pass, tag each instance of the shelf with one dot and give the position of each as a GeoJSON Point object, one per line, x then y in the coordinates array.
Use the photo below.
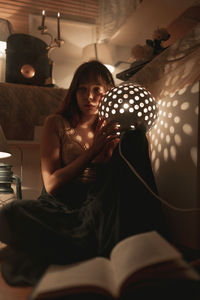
{"type": "Point", "coordinates": [126, 74]}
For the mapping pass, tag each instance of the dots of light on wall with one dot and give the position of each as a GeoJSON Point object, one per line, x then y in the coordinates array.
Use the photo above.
{"type": "Point", "coordinates": [177, 139]}
{"type": "Point", "coordinates": [195, 88]}
{"type": "Point", "coordinates": [174, 79]}
{"type": "Point", "coordinates": [171, 129]}
{"type": "Point", "coordinates": [153, 155]}
{"type": "Point", "coordinates": [173, 152]}
{"type": "Point", "coordinates": [128, 105]}
{"type": "Point", "coordinates": [177, 119]}
{"type": "Point", "coordinates": [162, 135]}
{"type": "Point", "coordinates": [171, 94]}
{"type": "Point", "coordinates": [168, 139]}
{"type": "Point", "coordinates": [185, 106]}
{"type": "Point", "coordinates": [188, 68]}
{"type": "Point", "coordinates": [193, 153]}
{"type": "Point", "coordinates": [157, 164]}
{"type": "Point", "coordinates": [182, 91]}
{"type": "Point", "coordinates": [169, 104]}
{"type": "Point", "coordinates": [168, 134]}
{"type": "Point", "coordinates": [175, 103]}
{"type": "Point", "coordinates": [187, 129]}
{"type": "Point", "coordinates": [159, 147]}
{"type": "Point", "coordinates": [165, 154]}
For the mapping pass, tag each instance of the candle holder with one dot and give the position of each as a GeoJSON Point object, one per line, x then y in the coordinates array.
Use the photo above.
{"type": "Point", "coordinates": [54, 42]}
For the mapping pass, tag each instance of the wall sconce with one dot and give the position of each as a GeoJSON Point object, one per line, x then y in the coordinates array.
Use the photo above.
{"type": "Point", "coordinates": [6, 175]}
{"type": "Point", "coordinates": [101, 52]}
{"type": "Point", "coordinates": [129, 105]}
{"type": "Point", "coordinates": [57, 42]}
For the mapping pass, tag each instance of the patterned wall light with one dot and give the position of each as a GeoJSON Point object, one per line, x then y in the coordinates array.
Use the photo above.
{"type": "Point", "coordinates": [129, 105]}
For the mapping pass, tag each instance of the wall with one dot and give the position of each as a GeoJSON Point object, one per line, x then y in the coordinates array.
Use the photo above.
{"type": "Point", "coordinates": [174, 154]}
{"type": "Point", "coordinates": [173, 78]}
{"type": "Point", "coordinates": [25, 162]}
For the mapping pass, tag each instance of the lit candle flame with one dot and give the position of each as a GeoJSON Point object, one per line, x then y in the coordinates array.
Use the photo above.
{"type": "Point", "coordinates": [43, 18]}
{"type": "Point", "coordinates": [58, 18]}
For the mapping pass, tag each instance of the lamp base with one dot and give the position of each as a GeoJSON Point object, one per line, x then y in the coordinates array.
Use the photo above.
{"type": "Point", "coordinates": [6, 179]}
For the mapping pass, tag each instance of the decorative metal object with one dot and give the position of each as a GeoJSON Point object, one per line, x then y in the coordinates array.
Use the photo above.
{"type": "Point", "coordinates": [129, 105]}
{"type": "Point", "coordinates": [54, 42]}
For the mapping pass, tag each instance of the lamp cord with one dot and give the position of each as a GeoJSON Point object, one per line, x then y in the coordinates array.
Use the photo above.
{"type": "Point", "coordinates": [148, 187]}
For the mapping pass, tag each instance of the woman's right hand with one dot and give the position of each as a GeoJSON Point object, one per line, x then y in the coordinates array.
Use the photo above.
{"type": "Point", "coordinates": [104, 134]}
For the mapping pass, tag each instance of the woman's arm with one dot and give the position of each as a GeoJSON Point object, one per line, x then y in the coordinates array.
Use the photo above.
{"type": "Point", "coordinates": [54, 176]}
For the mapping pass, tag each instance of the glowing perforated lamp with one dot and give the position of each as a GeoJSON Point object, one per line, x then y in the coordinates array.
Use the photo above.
{"type": "Point", "coordinates": [129, 105]}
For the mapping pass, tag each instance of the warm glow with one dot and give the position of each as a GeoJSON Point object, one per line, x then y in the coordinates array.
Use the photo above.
{"type": "Point", "coordinates": [90, 134]}
{"type": "Point", "coordinates": [79, 138]}
{"type": "Point", "coordinates": [173, 128]}
{"type": "Point", "coordinates": [2, 48]}
{"type": "Point", "coordinates": [100, 51]}
{"type": "Point", "coordinates": [4, 154]}
{"type": "Point", "coordinates": [110, 68]}
{"type": "Point", "coordinates": [129, 104]}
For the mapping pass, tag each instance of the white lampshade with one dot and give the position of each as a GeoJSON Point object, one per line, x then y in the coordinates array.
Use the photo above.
{"type": "Point", "coordinates": [4, 151]}
{"type": "Point", "coordinates": [5, 29]}
{"type": "Point", "coordinates": [100, 51]}
{"type": "Point", "coordinates": [129, 105]}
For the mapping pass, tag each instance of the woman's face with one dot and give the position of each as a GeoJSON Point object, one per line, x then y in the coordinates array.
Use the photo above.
{"type": "Point", "coordinates": [89, 97]}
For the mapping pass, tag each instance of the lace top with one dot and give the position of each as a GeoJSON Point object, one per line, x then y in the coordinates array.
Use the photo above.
{"type": "Point", "coordinates": [72, 147]}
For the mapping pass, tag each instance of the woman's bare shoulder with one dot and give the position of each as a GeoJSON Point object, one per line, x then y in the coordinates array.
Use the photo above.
{"type": "Point", "coordinates": [56, 123]}
{"type": "Point", "coordinates": [56, 119]}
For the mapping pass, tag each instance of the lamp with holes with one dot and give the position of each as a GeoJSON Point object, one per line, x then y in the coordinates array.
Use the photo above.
{"type": "Point", "coordinates": [129, 105]}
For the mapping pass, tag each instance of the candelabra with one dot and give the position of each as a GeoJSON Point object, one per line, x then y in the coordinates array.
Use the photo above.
{"type": "Point", "coordinates": [54, 42]}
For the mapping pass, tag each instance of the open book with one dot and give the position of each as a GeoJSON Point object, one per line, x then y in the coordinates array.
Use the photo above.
{"type": "Point", "coordinates": [143, 262]}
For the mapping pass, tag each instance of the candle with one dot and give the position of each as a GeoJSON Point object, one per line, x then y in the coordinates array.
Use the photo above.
{"type": "Point", "coordinates": [58, 18]}
{"type": "Point", "coordinates": [43, 18]}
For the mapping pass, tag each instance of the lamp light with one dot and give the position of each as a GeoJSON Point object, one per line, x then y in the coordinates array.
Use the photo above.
{"type": "Point", "coordinates": [129, 105]}
{"type": "Point", "coordinates": [100, 51]}
{"type": "Point", "coordinates": [4, 151]}
{"type": "Point", "coordinates": [5, 31]}
{"type": "Point", "coordinates": [6, 175]}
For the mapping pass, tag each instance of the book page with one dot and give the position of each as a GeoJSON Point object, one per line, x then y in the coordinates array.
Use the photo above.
{"type": "Point", "coordinates": [139, 251]}
{"type": "Point", "coordinates": [96, 273]}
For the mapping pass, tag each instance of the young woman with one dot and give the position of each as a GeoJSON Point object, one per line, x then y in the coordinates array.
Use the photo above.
{"type": "Point", "coordinates": [91, 199]}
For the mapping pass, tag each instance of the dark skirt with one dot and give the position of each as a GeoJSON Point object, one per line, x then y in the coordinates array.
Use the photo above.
{"type": "Point", "coordinates": [86, 222]}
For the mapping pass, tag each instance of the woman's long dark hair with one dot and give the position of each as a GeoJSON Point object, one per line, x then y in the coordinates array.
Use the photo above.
{"type": "Point", "coordinates": [88, 71]}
